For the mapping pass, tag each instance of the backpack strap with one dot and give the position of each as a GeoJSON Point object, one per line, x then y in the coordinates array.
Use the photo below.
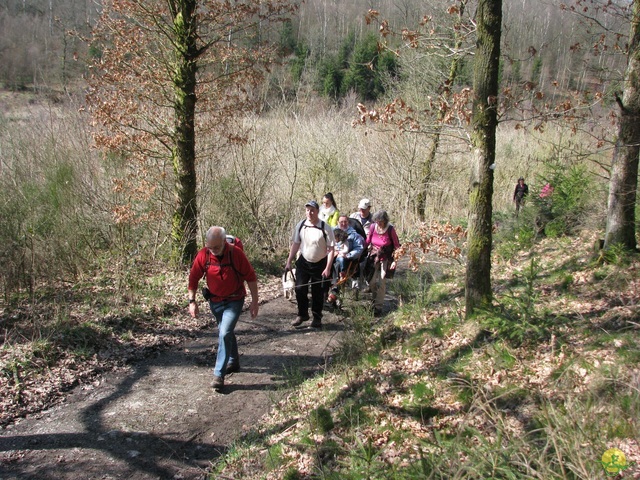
{"type": "Point", "coordinates": [221, 265]}
{"type": "Point", "coordinates": [230, 248]}
{"type": "Point", "coordinates": [321, 228]}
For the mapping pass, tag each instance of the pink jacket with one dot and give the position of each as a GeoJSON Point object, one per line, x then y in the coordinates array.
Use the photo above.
{"type": "Point", "coordinates": [383, 244]}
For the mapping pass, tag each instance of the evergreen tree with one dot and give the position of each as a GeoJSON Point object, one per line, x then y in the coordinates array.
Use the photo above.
{"type": "Point", "coordinates": [367, 68]}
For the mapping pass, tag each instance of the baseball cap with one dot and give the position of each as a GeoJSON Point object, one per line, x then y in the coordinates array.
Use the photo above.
{"type": "Point", "coordinates": [364, 203]}
{"type": "Point", "coordinates": [312, 203]}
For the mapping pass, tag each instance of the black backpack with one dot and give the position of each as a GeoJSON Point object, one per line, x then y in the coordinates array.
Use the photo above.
{"type": "Point", "coordinates": [357, 226]}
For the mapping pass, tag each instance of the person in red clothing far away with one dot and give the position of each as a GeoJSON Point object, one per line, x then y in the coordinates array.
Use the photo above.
{"type": "Point", "coordinates": [225, 269]}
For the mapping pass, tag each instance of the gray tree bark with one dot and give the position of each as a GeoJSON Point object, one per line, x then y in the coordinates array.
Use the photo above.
{"type": "Point", "coordinates": [485, 81]}
{"type": "Point", "coordinates": [623, 185]}
{"type": "Point", "coordinates": [427, 165]}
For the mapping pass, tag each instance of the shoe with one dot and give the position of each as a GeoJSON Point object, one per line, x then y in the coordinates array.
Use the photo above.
{"type": "Point", "coordinates": [217, 383]}
{"type": "Point", "coordinates": [299, 320]}
{"type": "Point", "coordinates": [377, 312]}
{"type": "Point", "coordinates": [316, 323]}
{"type": "Point", "coordinates": [331, 298]}
{"type": "Point", "coordinates": [232, 368]}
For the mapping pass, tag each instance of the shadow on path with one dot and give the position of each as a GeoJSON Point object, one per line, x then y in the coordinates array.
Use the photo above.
{"type": "Point", "coordinates": [160, 419]}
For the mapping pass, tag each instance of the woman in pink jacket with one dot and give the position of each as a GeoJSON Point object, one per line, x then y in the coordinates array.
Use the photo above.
{"type": "Point", "coordinates": [382, 241]}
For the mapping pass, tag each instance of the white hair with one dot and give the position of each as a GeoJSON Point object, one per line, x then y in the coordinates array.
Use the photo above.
{"type": "Point", "coordinates": [215, 232]}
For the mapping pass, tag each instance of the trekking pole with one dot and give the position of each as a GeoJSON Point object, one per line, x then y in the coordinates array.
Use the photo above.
{"type": "Point", "coordinates": [313, 283]}
{"type": "Point", "coordinates": [304, 284]}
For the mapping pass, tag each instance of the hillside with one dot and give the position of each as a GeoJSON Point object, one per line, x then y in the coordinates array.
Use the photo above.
{"type": "Point", "coordinates": [113, 166]}
{"type": "Point", "coordinates": [542, 388]}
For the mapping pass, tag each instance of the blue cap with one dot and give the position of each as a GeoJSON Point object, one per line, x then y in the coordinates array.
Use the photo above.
{"type": "Point", "coordinates": [312, 203]}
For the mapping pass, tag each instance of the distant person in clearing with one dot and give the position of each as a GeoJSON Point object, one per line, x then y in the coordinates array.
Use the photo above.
{"type": "Point", "coordinates": [521, 191]}
{"type": "Point", "coordinates": [546, 191]}
{"type": "Point", "coordinates": [225, 268]}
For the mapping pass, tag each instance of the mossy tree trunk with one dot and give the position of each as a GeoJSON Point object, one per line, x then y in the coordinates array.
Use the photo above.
{"type": "Point", "coordinates": [621, 224]}
{"type": "Point", "coordinates": [485, 81]}
{"type": "Point", "coordinates": [184, 225]}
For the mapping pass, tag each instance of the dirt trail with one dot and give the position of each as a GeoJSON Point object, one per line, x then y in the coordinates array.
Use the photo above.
{"type": "Point", "coordinates": [159, 419]}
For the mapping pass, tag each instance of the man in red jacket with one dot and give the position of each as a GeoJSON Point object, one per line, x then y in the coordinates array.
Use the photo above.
{"type": "Point", "coordinates": [225, 268]}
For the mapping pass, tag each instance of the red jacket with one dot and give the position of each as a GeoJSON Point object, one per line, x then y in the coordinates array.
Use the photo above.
{"type": "Point", "coordinates": [225, 280]}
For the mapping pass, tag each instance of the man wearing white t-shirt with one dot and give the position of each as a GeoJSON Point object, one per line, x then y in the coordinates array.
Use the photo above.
{"type": "Point", "coordinates": [314, 239]}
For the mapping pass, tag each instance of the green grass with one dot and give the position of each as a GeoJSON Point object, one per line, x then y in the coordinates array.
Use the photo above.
{"type": "Point", "coordinates": [502, 356]}
{"type": "Point", "coordinates": [274, 457]}
{"type": "Point", "coordinates": [422, 392]}
{"type": "Point", "coordinates": [541, 393]}
{"type": "Point", "coordinates": [321, 420]}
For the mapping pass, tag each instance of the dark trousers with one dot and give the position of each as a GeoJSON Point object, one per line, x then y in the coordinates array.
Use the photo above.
{"type": "Point", "coordinates": [309, 274]}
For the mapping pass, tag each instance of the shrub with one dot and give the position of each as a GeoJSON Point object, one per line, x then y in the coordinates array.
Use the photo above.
{"type": "Point", "coordinates": [321, 420]}
{"type": "Point", "coordinates": [516, 318]}
{"type": "Point", "coordinates": [43, 220]}
{"type": "Point", "coordinates": [562, 200]}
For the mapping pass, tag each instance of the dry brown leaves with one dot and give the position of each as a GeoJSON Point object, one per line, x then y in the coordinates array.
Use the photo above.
{"type": "Point", "coordinates": [443, 240]}
{"type": "Point", "coordinates": [553, 370]}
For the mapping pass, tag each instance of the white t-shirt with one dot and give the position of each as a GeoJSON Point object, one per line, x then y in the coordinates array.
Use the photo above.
{"type": "Point", "coordinates": [313, 246]}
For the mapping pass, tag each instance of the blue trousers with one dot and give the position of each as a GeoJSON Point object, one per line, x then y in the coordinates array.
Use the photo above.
{"type": "Point", "coordinates": [226, 313]}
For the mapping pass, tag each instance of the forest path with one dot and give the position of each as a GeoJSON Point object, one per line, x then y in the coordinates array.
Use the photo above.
{"type": "Point", "coordinates": [159, 418]}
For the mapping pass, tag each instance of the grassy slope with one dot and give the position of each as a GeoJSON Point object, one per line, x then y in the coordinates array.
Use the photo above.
{"type": "Point", "coordinates": [424, 394]}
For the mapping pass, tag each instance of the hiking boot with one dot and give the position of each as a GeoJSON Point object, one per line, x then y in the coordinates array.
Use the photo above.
{"type": "Point", "coordinates": [316, 323]}
{"type": "Point", "coordinates": [298, 321]}
{"type": "Point", "coordinates": [232, 368]}
{"type": "Point", "coordinates": [217, 383]}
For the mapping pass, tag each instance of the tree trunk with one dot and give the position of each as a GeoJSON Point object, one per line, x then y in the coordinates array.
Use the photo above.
{"type": "Point", "coordinates": [485, 81]}
{"type": "Point", "coordinates": [184, 225]}
{"type": "Point", "coordinates": [427, 165]}
{"type": "Point", "coordinates": [621, 224]}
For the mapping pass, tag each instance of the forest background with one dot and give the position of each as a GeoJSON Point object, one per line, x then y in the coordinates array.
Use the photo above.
{"type": "Point", "coordinates": [65, 199]}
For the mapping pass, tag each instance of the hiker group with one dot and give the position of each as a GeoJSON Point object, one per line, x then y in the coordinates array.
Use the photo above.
{"type": "Point", "coordinates": [328, 250]}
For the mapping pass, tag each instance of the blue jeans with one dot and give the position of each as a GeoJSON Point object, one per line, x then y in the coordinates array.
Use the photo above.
{"type": "Point", "coordinates": [226, 314]}
{"type": "Point", "coordinates": [342, 264]}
